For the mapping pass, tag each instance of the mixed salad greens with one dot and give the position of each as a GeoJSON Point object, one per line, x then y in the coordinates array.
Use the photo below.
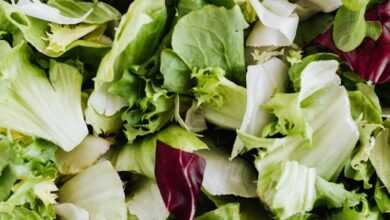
{"type": "Point", "coordinates": [194, 109]}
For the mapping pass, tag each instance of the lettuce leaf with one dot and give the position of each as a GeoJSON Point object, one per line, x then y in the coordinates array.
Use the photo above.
{"type": "Point", "coordinates": [379, 157]}
{"type": "Point", "coordinates": [269, 78]}
{"type": "Point", "coordinates": [226, 212]}
{"type": "Point", "coordinates": [212, 37]}
{"type": "Point", "coordinates": [31, 103]}
{"type": "Point", "coordinates": [221, 101]}
{"type": "Point", "coordinates": [104, 199]}
{"type": "Point", "coordinates": [277, 26]}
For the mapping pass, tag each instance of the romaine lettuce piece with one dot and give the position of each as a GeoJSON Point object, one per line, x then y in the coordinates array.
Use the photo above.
{"type": "Point", "coordinates": [212, 37]}
{"type": "Point", "coordinates": [277, 26]}
{"type": "Point", "coordinates": [83, 156]}
{"type": "Point", "coordinates": [98, 190]}
{"type": "Point", "coordinates": [35, 105]}
{"type": "Point", "coordinates": [221, 101]}
{"type": "Point", "coordinates": [263, 80]}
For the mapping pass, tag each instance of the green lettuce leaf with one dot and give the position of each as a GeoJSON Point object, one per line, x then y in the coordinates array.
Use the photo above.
{"type": "Point", "coordinates": [379, 157]}
{"type": "Point", "coordinates": [98, 190]}
{"type": "Point", "coordinates": [212, 37]}
{"type": "Point", "coordinates": [136, 39]}
{"type": "Point", "coordinates": [382, 198]}
{"type": "Point", "coordinates": [263, 81]}
{"type": "Point", "coordinates": [68, 211]}
{"type": "Point", "coordinates": [146, 194]}
{"type": "Point", "coordinates": [226, 212]}
{"type": "Point", "coordinates": [221, 101]}
{"type": "Point", "coordinates": [83, 156]}
{"type": "Point", "coordinates": [35, 105]}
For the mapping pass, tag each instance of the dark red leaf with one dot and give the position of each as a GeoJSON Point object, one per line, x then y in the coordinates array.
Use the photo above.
{"type": "Point", "coordinates": [371, 58]}
{"type": "Point", "coordinates": [179, 176]}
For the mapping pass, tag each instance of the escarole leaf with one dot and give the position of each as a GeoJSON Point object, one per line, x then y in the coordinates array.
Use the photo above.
{"type": "Point", "coordinates": [136, 39]}
{"type": "Point", "coordinates": [263, 80]}
{"type": "Point", "coordinates": [277, 26]}
{"type": "Point", "coordinates": [104, 199]}
{"type": "Point", "coordinates": [31, 103]}
{"type": "Point", "coordinates": [212, 37]}
{"type": "Point", "coordinates": [221, 101]}
{"type": "Point", "coordinates": [179, 177]}
{"type": "Point", "coordinates": [312, 124]}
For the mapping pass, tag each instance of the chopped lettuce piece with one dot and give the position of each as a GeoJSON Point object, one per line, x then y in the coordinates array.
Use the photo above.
{"type": "Point", "coordinates": [226, 212]}
{"type": "Point", "coordinates": [324, 104]}
{"type": "Point", "coordinates": [212, 37]}
{"type": "Point", "coordinates": [291, 189]}
{"type": "Point", "coordinates": [222, 101]}
{"type": "Point", "coordinates": [68, 211]}
{"type": "Point", "coordinates": [277, 26]}
{"type": "Point", "coordinates": [98, 190]}
{"type": "Point", "coordinates": [147, 194]}
{"type": "Point", "coordinates": [83, 156]}
{"type": "Point", "coordinates": [382, 198]}
{"type": "Point", "coordinates": [225, 177]}
{"type": "Point", "coordinates": [379, 157]}
{"type": "Point", "coordinates": [37, 9]}
{"type": "Point", "coordinates": [102, 124]}
{"type": "Point", "coordinates": [263, 81]}
{"type": "Point", "coordinates": [35, 105]}
{"type": "Point", "coordinates": [101, 11]}
{"type": "Point", "coordinates": [136, 39]}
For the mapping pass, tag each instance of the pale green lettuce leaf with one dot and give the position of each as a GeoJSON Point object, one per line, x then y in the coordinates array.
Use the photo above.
{"type": "Point", "coordinates": [68, 211]}
{"type": "Point", "coordinates": [212, 37]}
{"type": "Point", "coordinates": [306, 8]}
{"type": "Point", "coordinates": [35, 105]}
{"type": "Point", "coordinates": [288, 189]}
{"type": "Point", "coordinates": [382, 197]}
{"type": "Point", "coordinates": [101, 11]}
{"type": "Point", "coordinates": [136, 39]}
{"type": "Point", "coordinates": [102, 124]}
{"type": "Point", "coordinates": [146, 194]}
{"type": "Point", "coordinates": [42, 11]}
{"type": "Point", "coordinates": [379, 157]}
{"type": "Point", "coordinates": [291, 189]}
{"type": "Point", "coordinates": [277, 26]}
{"type": "Point", "coordinates": [225, 177]}
{"type": "Point", "coordinates": [319, 119]}
{"type": "Point", "coordinates": [226, 212]}
{"type": "Point", "coordinates": [98, 190]}
{"type": "Point", "coordinates": [263, 81]}
{"type": "Point", "coordinates": [221, 101]}
{"type": "Point", "coordinates": [83, 156]}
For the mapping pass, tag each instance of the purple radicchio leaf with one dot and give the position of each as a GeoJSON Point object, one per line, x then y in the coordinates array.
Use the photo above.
{"type": "Point", "coordinates": [371, 58]}
{"type": "Point", "coordinates": [179, 177]}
